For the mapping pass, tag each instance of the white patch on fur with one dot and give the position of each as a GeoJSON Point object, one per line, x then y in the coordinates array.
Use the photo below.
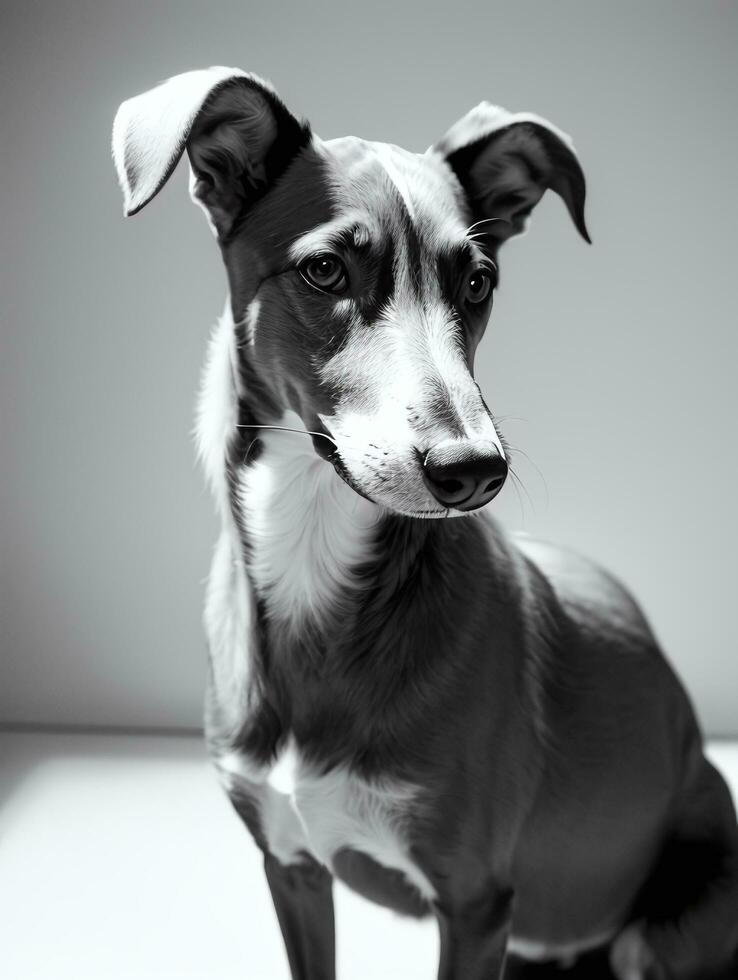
{"type": "Point", "coordinates": [307, 528]}
{"type": "Point", "coordinates": [284, 775]}
{"type": "Point", "coordinates": [228, 620]}
{"type": "Point", "coordinates": [216, 412]}
{"type": "Point", "coordinates": [151, 129]}
{"type": "Point", "coordinates": [339, 810]}
{"type": "Point", "coordinates": [390, 162]}
{"type": "Point", "coordinates": [236, 765]}
{"type": "Point", "coordinates": [252, 318]}
{"type": "Point", "coordinates": [303, 810]}
{"type": "Point", "coordinates": [280, 824]}
{"type": "Point", "coordinates": [282, 827]}
{"type": "Point", "coordinates": [565, 953]}
{"type": "Point", "coordinates": [229, 613]}
{"type": "Point", "coordinates": [378, 443]}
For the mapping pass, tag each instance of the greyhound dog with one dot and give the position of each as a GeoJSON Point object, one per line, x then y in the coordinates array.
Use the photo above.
{"type": "Point", "coordinates": [453, 721]}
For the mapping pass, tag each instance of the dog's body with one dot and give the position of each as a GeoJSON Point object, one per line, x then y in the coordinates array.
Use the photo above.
{"type": "Point", "coordinates": [450, 720]}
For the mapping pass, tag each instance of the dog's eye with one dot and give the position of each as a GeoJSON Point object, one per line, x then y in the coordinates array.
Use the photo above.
{"type": "Point", "coordinates": [325, 272]}
{"type": "Point", "coordinates": [477, 286]}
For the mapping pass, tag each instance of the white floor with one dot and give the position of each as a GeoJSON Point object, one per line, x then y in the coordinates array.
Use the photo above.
{"type": "Point", "coordinates": [120, 857]}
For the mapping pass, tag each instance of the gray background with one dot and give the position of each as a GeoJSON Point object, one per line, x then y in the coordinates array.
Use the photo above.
{"type": "Point", "coordinates": [620, 357]}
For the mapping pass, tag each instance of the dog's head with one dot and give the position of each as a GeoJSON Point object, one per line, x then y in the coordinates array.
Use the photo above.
{"type": "Point", "coordinates": [361, 275]}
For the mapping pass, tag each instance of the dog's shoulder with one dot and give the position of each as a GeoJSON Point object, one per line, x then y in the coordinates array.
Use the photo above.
{"type": "Point", "coordinates": [592, 597]}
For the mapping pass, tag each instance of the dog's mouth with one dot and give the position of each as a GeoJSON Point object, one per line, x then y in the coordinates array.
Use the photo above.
{"type": "Point", "coordinates": [326, 446]}
{"type": "Point", "coordinates": [395, 507]}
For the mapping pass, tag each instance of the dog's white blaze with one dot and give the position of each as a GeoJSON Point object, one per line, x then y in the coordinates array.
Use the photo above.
{"type": "Point", "coordinates": [400, 365]}
{"type": "Point", "coordinates": [307, 528]}
{"type": "Point", "coordinates": [439, 353]}
{"type": "Point", "coordinates": [389, 162]}
{"type": "Point", "coordinates": [444, 354]}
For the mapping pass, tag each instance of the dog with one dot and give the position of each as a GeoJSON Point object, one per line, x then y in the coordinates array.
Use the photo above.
{"type": "Point", "coordinates": [452, 720]}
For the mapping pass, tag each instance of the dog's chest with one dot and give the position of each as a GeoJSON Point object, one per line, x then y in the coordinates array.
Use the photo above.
{"type": "Point", "coordinates": [326, 814]}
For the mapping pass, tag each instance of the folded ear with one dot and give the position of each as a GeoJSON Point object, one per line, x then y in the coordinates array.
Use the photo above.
{"type": "Point", "coordinates": [506, 161]}
{"type": "Point", "coordinates": [238, 134]}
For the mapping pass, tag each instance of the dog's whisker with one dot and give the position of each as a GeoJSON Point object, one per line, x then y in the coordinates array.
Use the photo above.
{"type": "Point", "coordinates": [484, 221]}
{"type": "Point", "coordinates": [287, 428]}
{"type": "Point", "coordinates": [246, 455]}
{"type": "Point", "coordinates": [517, 482]}
{"type": "Point", "coordinates": [542, 478]}
{"type": "Point", "coordinates": [345, 452]}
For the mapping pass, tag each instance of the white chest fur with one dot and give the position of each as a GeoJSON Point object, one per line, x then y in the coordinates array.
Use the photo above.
{"type": "Point", "coordinates": [306, 527]}
{"type": "Point", "coordinates": [303, 810]}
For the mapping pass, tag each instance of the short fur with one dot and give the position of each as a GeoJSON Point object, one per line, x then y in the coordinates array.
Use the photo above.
{"type": "Point", "coordinates": [452, 720]}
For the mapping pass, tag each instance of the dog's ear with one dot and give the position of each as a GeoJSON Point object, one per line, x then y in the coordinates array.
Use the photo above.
{"type": "Point", "coordinates": [238, 134]}
{"type": "Point", "coordinates": [506, 161]}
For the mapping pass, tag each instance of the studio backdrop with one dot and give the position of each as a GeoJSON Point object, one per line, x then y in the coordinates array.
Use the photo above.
{"type": "Point", "coordinates": [612, 366]}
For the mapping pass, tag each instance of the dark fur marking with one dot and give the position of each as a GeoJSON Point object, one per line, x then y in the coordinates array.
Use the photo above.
{"type": "Point", "coordinates": [384, 886]}
{"type": "Point", "coordinates": [562, 161]}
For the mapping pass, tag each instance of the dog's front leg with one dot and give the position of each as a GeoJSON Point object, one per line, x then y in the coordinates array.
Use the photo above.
{"type": "Point", "coordinates": [474, 936]}
{"type": "Point", "coordinates": [302, 889]}
{"type": "Point", "coordinates": [303, 899]}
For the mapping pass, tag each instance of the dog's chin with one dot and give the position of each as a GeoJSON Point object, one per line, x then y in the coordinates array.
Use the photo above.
{"type": "Point", "coordinates": [442, 513]}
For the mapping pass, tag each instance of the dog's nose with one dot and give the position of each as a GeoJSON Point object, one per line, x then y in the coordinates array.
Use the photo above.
{"type": "Point", "coordinates": [464, 476]}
